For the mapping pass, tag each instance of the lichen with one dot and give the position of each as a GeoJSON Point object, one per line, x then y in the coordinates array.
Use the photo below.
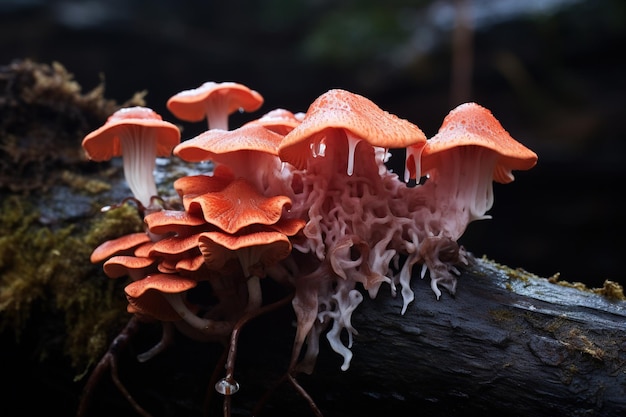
{"type": "Point", "coordinates": [610, 289]}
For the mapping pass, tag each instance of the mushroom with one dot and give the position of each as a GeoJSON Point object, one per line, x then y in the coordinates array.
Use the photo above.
{"type": "Point", "coordinates": [339, 118]}
{"type": "Point", "coordinates": [250, 151]}
{"type": "Point", "coordinates": [138, 134]}
{"type": "Point", "coordinates": [133, 266]}
{"type": "Point", "coordinates": [215, 102]}
{"type": "Point", "coordinates": [173, 221]}
{"type": "Point", "coordinates": [119, 246]}
{"type": "Point", "coordinates": [255, 251]}
{"type": "Point", "coordinates": [145, 296]}
{"type": "Point", "coordinates": [163, 297]}
{"type": "Point", "coordinates": [470, 151]}
{"type": "Point", "coordinates": [238, 205]}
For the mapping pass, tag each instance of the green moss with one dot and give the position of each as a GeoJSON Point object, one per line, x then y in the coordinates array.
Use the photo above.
{"type": "Point", "coordinates": [47, 272]}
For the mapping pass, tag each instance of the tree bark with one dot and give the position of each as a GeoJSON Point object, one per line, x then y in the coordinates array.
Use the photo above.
{"type": "Point", "coordinates": [508, 343]}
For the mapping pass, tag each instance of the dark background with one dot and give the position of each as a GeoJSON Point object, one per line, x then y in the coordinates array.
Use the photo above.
{"type": "Point", "coordinates": [552, 74]}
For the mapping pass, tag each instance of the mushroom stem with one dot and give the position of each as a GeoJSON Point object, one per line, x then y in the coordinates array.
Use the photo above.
{"type": "Point", "coordinates": [139, 163]}
{"type": "Point", "coordinates": [217, 112]}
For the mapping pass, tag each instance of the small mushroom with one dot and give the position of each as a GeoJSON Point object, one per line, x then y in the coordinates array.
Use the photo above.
{"type": "Point", "coordinates": [120, 246]}
{"type": "Point", "coordinates": [138, 134]}
{"type": "Point", "coordinates": [147, 296]}
{"type": "Point", "coordinates": [133, 266]}
{"type": "Point", "coordinates": [255, 251]}
{"type": "Point", "coordinates": [215, 102]}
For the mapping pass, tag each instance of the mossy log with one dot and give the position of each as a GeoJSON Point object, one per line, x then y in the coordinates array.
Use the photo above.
{"type": "Point", "coordinates": [508, 343]}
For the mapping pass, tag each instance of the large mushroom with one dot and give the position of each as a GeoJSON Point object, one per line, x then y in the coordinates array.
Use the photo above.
{"type": "Point", "coordinates": [340, 148]}
{"type": "Point", "coordinates": [215, 102]}
{"type": "Point", "coordinates": [342, 119]}
{"type": "Point", "coordinates": [138, 134]}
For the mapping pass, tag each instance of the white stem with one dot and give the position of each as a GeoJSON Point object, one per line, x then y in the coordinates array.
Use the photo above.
{"type": "Point", "coordinates": [139, 159]}
{"type": "Point", "coordinates": [217, 112]}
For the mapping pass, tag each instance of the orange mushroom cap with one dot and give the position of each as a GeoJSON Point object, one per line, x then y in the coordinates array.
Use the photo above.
{"type": "Point", "coordinates": [196, 104]}
{"type": "Point", "coordinates": [120, 265]}
{"type": "Point", "coordinates": [145, 295]}
{"type": "Point", "coordinates": [168, 221]}
{"type": "Point", "coordinates": [238, 205]}
{"type": "Point", "coordinates": [264, 247]}
{"type": "Point", "coordinates": [356, 115]}
{"type": "Point", "coordinates": [105, 142]}
{"type": "Point", "coordinates": [174, 245]}
{"type": "Point", "coordinates": [217, 144]}
{"type": "Point", "coordinates": [118, 246]}
{"type": "Point", "coordinates": [194, 185]}
{"type": "Point", "coordinates": [473, 125]}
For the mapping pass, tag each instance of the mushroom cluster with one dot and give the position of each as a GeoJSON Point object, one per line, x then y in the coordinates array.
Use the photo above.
{"type": "Point", "coordinates": [306, 200]}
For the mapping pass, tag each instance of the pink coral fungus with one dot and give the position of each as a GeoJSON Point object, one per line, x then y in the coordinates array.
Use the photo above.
{"type": "Point", "coordinates": [307, 201]}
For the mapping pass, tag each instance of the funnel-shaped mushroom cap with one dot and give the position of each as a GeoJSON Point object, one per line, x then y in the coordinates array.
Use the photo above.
{"type": "Point", "coordinates": [215, 144]}
{"type": "Point", "coordinates": [145, 296]}
{"type": "Point", "coordinates": [471, 124]}
{"type": "Point", "coordinates": [121, 245]}
{"type": "Point", "coordinates": [237, 206]}
{"type": "Point", "coordinates": [262, 247]}
{"type": "Point", "coordinates": [191, 105]}
{"type": "Point", "coordinates": [105, 142]}
{"type": "Point", "coordinates": [358, 116]}
{"type": "Point", "coordinates": [121, 265]}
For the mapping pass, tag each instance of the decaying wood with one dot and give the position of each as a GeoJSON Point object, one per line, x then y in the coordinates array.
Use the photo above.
{"type": "Point", "coordinates": [508, 344]}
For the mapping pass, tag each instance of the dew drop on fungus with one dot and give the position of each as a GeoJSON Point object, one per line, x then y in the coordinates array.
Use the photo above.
{"type": "Point", "coordinates": [227, 386]}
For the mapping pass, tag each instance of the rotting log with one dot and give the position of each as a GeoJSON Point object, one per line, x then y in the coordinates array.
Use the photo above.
{"type": "Point", "coordinates": [508, 344]}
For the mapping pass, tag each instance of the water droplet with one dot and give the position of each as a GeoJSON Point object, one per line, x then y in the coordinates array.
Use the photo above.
{"type": "Point", "coordinates": [227, 386]}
